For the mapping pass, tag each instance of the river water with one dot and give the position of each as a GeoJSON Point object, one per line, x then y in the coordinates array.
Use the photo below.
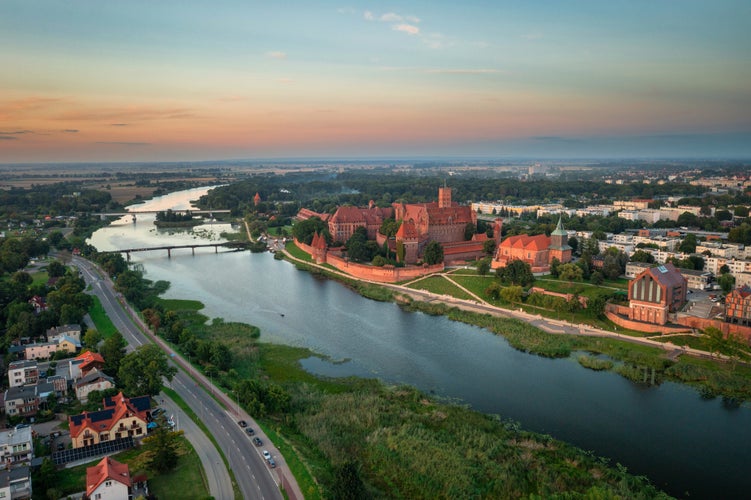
{"type": "Point", "coordinates": [686, 445]}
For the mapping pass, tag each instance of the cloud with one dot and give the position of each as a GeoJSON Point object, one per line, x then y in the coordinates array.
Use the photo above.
{"type": "Point", "coordinates": [368, 16]}
{"type": "Point", "coordinates": [277, 54]}
{"type": "Point", "coordinates": [406, 28]}
{"type": "Point", "coordinates": [17, 132]}
{"type": "Point", "coordinates": [70, 131]}
{"type": "Point", "coordinates": [345, 10]}
{"type": "Point", "coordinates": [123, 143]}
{"type": "Point", "coordinates": [391, 17]}
{"type": "Point", "coordinates": [118, 124]}
{"type": "Point", "coordinates": [8, 138]}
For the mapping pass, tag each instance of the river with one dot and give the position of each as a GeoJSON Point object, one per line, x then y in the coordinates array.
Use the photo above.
{"type": "Point", "coordinates": [686, 445]}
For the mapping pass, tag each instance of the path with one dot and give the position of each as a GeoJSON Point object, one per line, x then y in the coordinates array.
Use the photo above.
{"type": "Point", "coordinates": [545, 324]}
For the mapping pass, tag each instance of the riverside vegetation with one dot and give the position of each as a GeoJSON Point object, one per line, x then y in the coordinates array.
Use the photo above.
{"type": "Point", "coordinates": [358, 438]}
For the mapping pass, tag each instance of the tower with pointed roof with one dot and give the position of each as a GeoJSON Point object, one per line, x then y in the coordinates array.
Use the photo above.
{"type": "Point", "coordinates": [559, 248]}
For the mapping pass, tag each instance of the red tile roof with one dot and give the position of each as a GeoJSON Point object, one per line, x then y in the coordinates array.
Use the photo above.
{"type": "Point", "coordinates": [525, 242]}
{"type": "Point", "coordinates": [89, 360]}
{"type": "Point", "coordinates": [107, 419]}
{"type": "Point", "coordinates": [107, 469]}
{"type": "Point", "coordinates": [407, 231]}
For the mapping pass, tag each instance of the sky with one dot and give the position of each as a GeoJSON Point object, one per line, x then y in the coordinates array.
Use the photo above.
{"type": "Point", "coordinates": [169, 80]}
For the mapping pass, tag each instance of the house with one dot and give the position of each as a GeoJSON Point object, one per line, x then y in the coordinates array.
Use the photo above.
{"type": "Point", "coordinates": [697, 280]}
{"type": "Point", "coordinates": [56, 332]}
{"type": "Point", "coordinates": [655, 293]}
{"type": "Point", "coordinates": [108, 480]}
{"type": "Point", "coordinates": [24, 401]}
{"type": "Point", "coordinates": [38, 303]}
{"type": "Point", "coordinates": [85, 362]}
{"type": "Point", "coordinates": [121, 417]}
{"type": "Point", "coordinates": [16, 447]}
{"type": "Point", "coordinates": [45, 350]}
{"type": "Point", "coordinates": [23, 372]}
{"type": "Point", "coordinates": [634, 268]}
{"type": "Point", "coordinates": [92, 381]}
{"type": "Point", "coordinates": [537, 251]}
{"type": "Point", "coordinates": [15, 483]}
{"type": "Point", "coordinates": [738, 306]}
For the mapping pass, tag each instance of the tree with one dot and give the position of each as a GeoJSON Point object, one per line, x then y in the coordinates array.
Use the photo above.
{"type": "Point", "coordinates": [726, 282]}
{"type": "Point", "coordinates": [516, 272]}
{"type": "Point", "coordinates": [555, 267]}
{"type": "Point", "coordinates": [433, 253]}
{"type": "Point", "coordinates": [597, 278]}
{"type": "Point", "coordinates": [574, 244]}
{"type": "Point", "coordinates": [687, 219]}
{"type": "Point", "coordinates": [512, 294]}
{"type": "Point", "coordinates": [740, 211]}
{"type": "Point", "coordinates": [494, 291]}
{"type": "Point", "coordinates": [642, 256]}
{"type": "Point", "coordinates": [55, 269]}
{"type": "Point", "coordinates": [389, 227]}
{"type": "Point", "coordinates": [570, 272]}
{"type": "Point", "coordinates": [163, 446]}
{"type": "Point", "coordinates": [614, 263]}
{"type": "Point", "coordinates": [488, 247]}
{"type": "Point", "coordinates": [688, 245]}
{"type": "Point", "coordinates": [724, 269]}
{"type": "Point", "coordinates": [113, 351]}
{"type": "Point", "coordinates": [304, 230]}
{"type": "Point", "coordinates": [469, 231]}
{"type": "Point", "coordinates": [141, 371]}
{"type": "Point", "coordinates": [483, 266]}
{"type": "Point", "coordinates": [91, 339]}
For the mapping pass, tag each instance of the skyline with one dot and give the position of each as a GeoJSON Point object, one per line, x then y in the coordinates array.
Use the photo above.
{"type": "Point", "coordinates": [193, 81]}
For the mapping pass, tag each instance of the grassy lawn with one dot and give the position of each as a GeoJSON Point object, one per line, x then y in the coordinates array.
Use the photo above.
{"type": "Point", "coordinates": [185, 481]}
{"type": "Point", "coordinates": [102, 322]}
{"type": "Point", "coordinates": [441, 286]}
{"type": "Point", "coordinates": [40, 278]}
{"type": "Point", "coordinates": [296, 252]}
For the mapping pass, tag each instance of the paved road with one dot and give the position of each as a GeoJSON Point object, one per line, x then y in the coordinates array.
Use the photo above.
{"type": "Point", "coordinates": [253, 476]}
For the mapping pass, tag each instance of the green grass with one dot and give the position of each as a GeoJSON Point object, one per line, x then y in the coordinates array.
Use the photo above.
{"type": "Point", "coordinates": [297, 252]}
{"type": "Point", "coordinates": [594, 363]}
{"type": "Point", "coordinates": [102, 322]}
{"type": "Point", "coordinates": [40, 278]}
{"type": "Point", "coordinates": [441, 286]}
{"type": "Point", "coordinates": [181, 304]}
{"type": "Point", "coordinates": [185, 481]}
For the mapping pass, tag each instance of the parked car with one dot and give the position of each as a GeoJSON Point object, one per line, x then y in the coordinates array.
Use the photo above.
{"type": "Point", "coordinates": [266, 454]}
{"type": "Point", "coordinates": [249, 431]}
{"type": "Point", "coordinates": [156, 412]}
{"type": "Point", "coordinates": [242, 423]}
{"type": "Point", "coordinates": [271, 462]}
{"type": "Point", "coordinates": [60, 446]}
{"type": "Point", "coordinates": [257, 441]}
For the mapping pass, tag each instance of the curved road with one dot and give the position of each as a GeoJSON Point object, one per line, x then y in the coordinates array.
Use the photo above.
{"type": "Point", "coordinates": [254, 478]}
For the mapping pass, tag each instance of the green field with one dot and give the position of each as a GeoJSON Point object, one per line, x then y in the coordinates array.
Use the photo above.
{"type": "Point", "coordinates": [102, 322]}
{"type": "Point", "coordinates": [441, 286]}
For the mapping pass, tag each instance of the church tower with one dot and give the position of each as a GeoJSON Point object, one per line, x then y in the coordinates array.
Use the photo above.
{"type": "Point", "coordinates": [559, 248]}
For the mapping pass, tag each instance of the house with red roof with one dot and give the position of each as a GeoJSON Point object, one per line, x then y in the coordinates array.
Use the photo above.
{"type": "Point", "coordinates": [121, 417]}
{"type": "Point", "coordinates": [84, 363]}
{"type": "Point", "coordinates": [108, 480]}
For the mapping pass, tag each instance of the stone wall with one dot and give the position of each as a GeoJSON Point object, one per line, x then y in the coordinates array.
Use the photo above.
{"type": "Point", "coordinates": [564, 296]}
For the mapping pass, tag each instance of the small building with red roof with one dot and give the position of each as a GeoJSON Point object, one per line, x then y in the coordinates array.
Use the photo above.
{"type": "Point", "coordinates": [108, 480]}
{"type": "Point", "coordinates": [655, 293]}
{"type": "Point", "coordinates": [121, 417]}
{"type": "Point", "coordinates": [538, 251]}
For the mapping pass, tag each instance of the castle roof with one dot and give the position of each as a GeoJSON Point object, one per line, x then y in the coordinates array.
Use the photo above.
{"type": "Point", "coordinates": [358, 215]}
{"type": "Point", "coordinates": [107, 469]}
{"type": "Point", "coordinates": [407, 231]}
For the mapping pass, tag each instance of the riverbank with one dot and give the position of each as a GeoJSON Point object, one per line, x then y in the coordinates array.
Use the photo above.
{"type": "Point", "coordinates": [634, 356]}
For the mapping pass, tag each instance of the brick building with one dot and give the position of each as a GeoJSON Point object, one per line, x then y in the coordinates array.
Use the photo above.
{"type": "Point", "coordinates": [738, 306]}
{"type": "Point", "coordinates": [655, 293]}
{"type": "Point", "coordinates": [537, 251]}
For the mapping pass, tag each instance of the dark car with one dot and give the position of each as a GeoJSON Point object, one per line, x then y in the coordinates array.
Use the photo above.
{"type": "Point", "coordinates": [249, 431]}
{"type": "Point", "coordinates": [271, 462]}
{"type": "Point", "coordinates": [242, 423]}
{"type": "Point", "coordinates": [257, 441]}
{"type": "Point", "coordinates": [60, 446]}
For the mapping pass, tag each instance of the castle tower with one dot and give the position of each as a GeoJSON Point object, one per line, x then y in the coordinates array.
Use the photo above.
{"type": "Point", "coordinates": [559, 248]}
{"type": "Point", "coordinates": [444, 197]}
{"type": "Point", "coordinates": [497, 227]}
{"type": "Point", "coordinates": [256, 199]}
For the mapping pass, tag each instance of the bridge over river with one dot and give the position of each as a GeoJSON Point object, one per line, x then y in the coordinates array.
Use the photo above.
{"type": "Point", "coordinates": [134, 213]}
{"type": "Point", "coordinates": [233, 245]}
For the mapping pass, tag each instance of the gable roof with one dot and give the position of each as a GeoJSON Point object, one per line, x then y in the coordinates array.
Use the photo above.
{"type": "Point", "coordinates": [665, 274]}
{"type": "Point", "coordinates": [88, 360]}
{"type": "Point", "coordinates": [115, 409]}
{"type": "Point", "coordinates": [525, 242]}
{"type": "Point", "coordinates": [107, 468]}
{"type": "Point", "coordinates": [93, 376]}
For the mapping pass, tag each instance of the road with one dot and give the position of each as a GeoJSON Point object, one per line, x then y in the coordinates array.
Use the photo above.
{"type": "Point", "coordinates": [253, 476]}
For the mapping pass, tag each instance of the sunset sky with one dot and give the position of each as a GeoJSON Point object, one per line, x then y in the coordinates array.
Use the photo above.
{"type": "Point", "coordinates": [132, 80]}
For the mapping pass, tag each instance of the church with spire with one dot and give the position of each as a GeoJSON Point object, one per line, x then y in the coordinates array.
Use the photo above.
{"type": "Point", "coordinates": [537, 251]}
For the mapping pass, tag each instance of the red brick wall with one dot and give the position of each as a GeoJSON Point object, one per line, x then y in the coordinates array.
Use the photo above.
{"type": "Point", "coordinates": [564, 296]}
{"type": "Point", "coordinates": [385, 274]}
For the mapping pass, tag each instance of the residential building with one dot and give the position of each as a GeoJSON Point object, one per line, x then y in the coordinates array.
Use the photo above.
{"type": "Point", "coordinates": [24, 401]}
{"type": "Point", "coordinates": [45, 350]}
{"type": "Point", "coordinates": [85, 362]}
{"type": "Point", "coordinates": [23, 372]}
{"type": "Point", "coordinates": [697, 280]}
{"type": "Point", "coordinates": [738, 306]}
{"type": "Point", "coordinates": [121, 417]}
{"type": "Point", "coordinates": [635, 268]}
{"type": "Point", "coordinates": [16, 447]}
{"type": "Point", "coordinates": [56, 332]}
{"type": "Point", "coordinates": [15, 483]}
{"type": "Point", "coordinates": [108, 480]}
{"type": "Point", "coordinates": [656, 293]}
{"type": "Point", "coordinates": [92, 381]}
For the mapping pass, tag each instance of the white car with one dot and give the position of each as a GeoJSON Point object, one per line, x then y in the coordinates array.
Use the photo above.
{"type": "Point", "coordinates": [266, 454]}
